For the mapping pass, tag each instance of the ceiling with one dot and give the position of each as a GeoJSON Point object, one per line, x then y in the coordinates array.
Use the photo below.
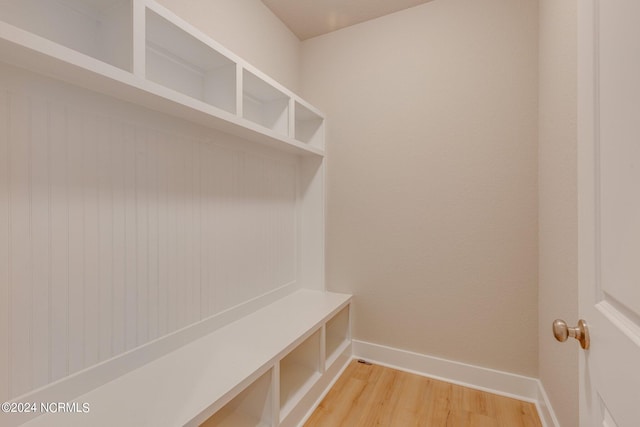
{"type": "Point", "coordinates": [310, 18]}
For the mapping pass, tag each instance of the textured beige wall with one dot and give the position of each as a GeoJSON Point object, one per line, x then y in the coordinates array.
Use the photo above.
{"type": "Point", "coordinates": [558, 235]}
{"type": "Point", "coordinates": [250, 30]}
{"type": "Point", "coordinates": [432, 177]}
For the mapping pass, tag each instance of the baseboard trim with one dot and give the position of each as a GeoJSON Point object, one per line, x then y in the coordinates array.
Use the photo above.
{"type": "Point", "coordinates": [489, 380]}
{"type": "Point", "coordinates": [545, 410]}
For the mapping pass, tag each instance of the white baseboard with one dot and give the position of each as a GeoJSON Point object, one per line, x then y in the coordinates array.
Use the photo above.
{"type": "Point", "coordinates": [489, 380]}
{"type": "Point", "coordinates": [545, 410]}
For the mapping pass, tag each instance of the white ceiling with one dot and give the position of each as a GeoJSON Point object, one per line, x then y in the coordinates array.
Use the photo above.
{"type": "Point", "coordinates": [310, 18]}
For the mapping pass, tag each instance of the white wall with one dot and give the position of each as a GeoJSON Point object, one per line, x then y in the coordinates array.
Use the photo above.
{"type": "Point", "coordinates": [432, 177]}
{"type": "Point", "coordinates": [558, 211]}
{"type": "Point", "coordinates": [250, 30]}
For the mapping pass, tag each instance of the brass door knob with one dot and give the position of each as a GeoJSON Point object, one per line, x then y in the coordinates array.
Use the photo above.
{"type": "Point", "coordinates": [581, 332]}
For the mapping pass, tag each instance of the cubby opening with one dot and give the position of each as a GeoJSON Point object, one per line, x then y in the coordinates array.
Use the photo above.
{"type": "Point", "coordinates": [102, 29]}
{"type": "Point", "coordinates": [299, 370]}
{"type": "Point", "coordinates": [309, 126]}
{"type": "Point", "coordinates": [264, 104]}
{"type": "Point", "coordinates": [337, 335]}
{"type": "Point", "coordinates": [182, 62]}
{"type": "Point", "coordinates": [251, 408]}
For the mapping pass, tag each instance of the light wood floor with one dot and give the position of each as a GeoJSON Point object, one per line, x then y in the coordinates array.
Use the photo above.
{"type": "Point", "coordinates": [370, 395]}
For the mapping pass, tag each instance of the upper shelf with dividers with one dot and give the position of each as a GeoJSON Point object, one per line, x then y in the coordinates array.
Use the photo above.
{"type": "Point", "coordinates": [140, 52]}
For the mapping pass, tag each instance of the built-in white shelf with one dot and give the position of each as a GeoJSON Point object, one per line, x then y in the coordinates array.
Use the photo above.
{"type": "Point", "coordinates": [101, 29]}
{"type": "Point", "coordinates": [180, 61]}
{"type": "Point", "coordinates": [264, 104]}
{"type": "Point", "coordinates": [309, 126]}
{"type": "Point", "coordinates": [337, 335]}
{"type": "Point", "coordinates": [235, 419]}
{"type": "Point", "coordinates": [176, 69]}
{"type": "Point", "coordinates": [253, 407]}
{"type": "Point", "coordinates": [258, 365]}
{"type": "Point", "coordinates": [299, 370]}
{"type": "Point", "coordinates": [189, 385]}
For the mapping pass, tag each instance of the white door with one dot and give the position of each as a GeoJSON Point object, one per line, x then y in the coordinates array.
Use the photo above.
{"type": "Point", "coordinates": [609, 210]}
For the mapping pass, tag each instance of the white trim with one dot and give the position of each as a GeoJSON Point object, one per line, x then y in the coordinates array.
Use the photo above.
{"type": "Point", "coordinates": [490, 380]}
{"type": "Point", "coordinates": [545, 410]}
{"type": "Point", "coordinates": [332, 374]}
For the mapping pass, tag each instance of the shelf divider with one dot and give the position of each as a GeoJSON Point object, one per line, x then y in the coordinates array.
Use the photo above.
{"type": "Point", "coordinates": [309, 125]}
{"type": "Point", "coordinates": [179, 61]}
{"type": "Point", "coordinates": [152, 72]}
{"type": "Point", "coordinates": [264, 104]}
{"type": "Point", "coordinates": [250, 408]}
{"type": "Point", "coordinates": [337, 335]}
{"type": "Point", "coordinates": [299, 370]}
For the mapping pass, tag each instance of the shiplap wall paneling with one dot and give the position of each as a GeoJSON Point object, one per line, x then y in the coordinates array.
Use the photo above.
{"type": "Point", "coordinates": [122, 226]}
{"type": "Point", "coordinates": [311, 223]}
{"type": "Point", "coordinates": [39, 230]}
{"type": "Point", "coordinates": [59, 243]}
{"type": "Point", "coordinates": [5, 302]}
{"type": "Point", "coordinates": [20, 310]}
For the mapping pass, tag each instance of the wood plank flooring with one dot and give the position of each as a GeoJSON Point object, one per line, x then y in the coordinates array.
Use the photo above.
{"type": "Point", "coordinates": [371, 395]}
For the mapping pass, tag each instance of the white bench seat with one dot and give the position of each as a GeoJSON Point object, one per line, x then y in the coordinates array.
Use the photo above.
{"type": "Point", "coordinates": [189, 384]}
